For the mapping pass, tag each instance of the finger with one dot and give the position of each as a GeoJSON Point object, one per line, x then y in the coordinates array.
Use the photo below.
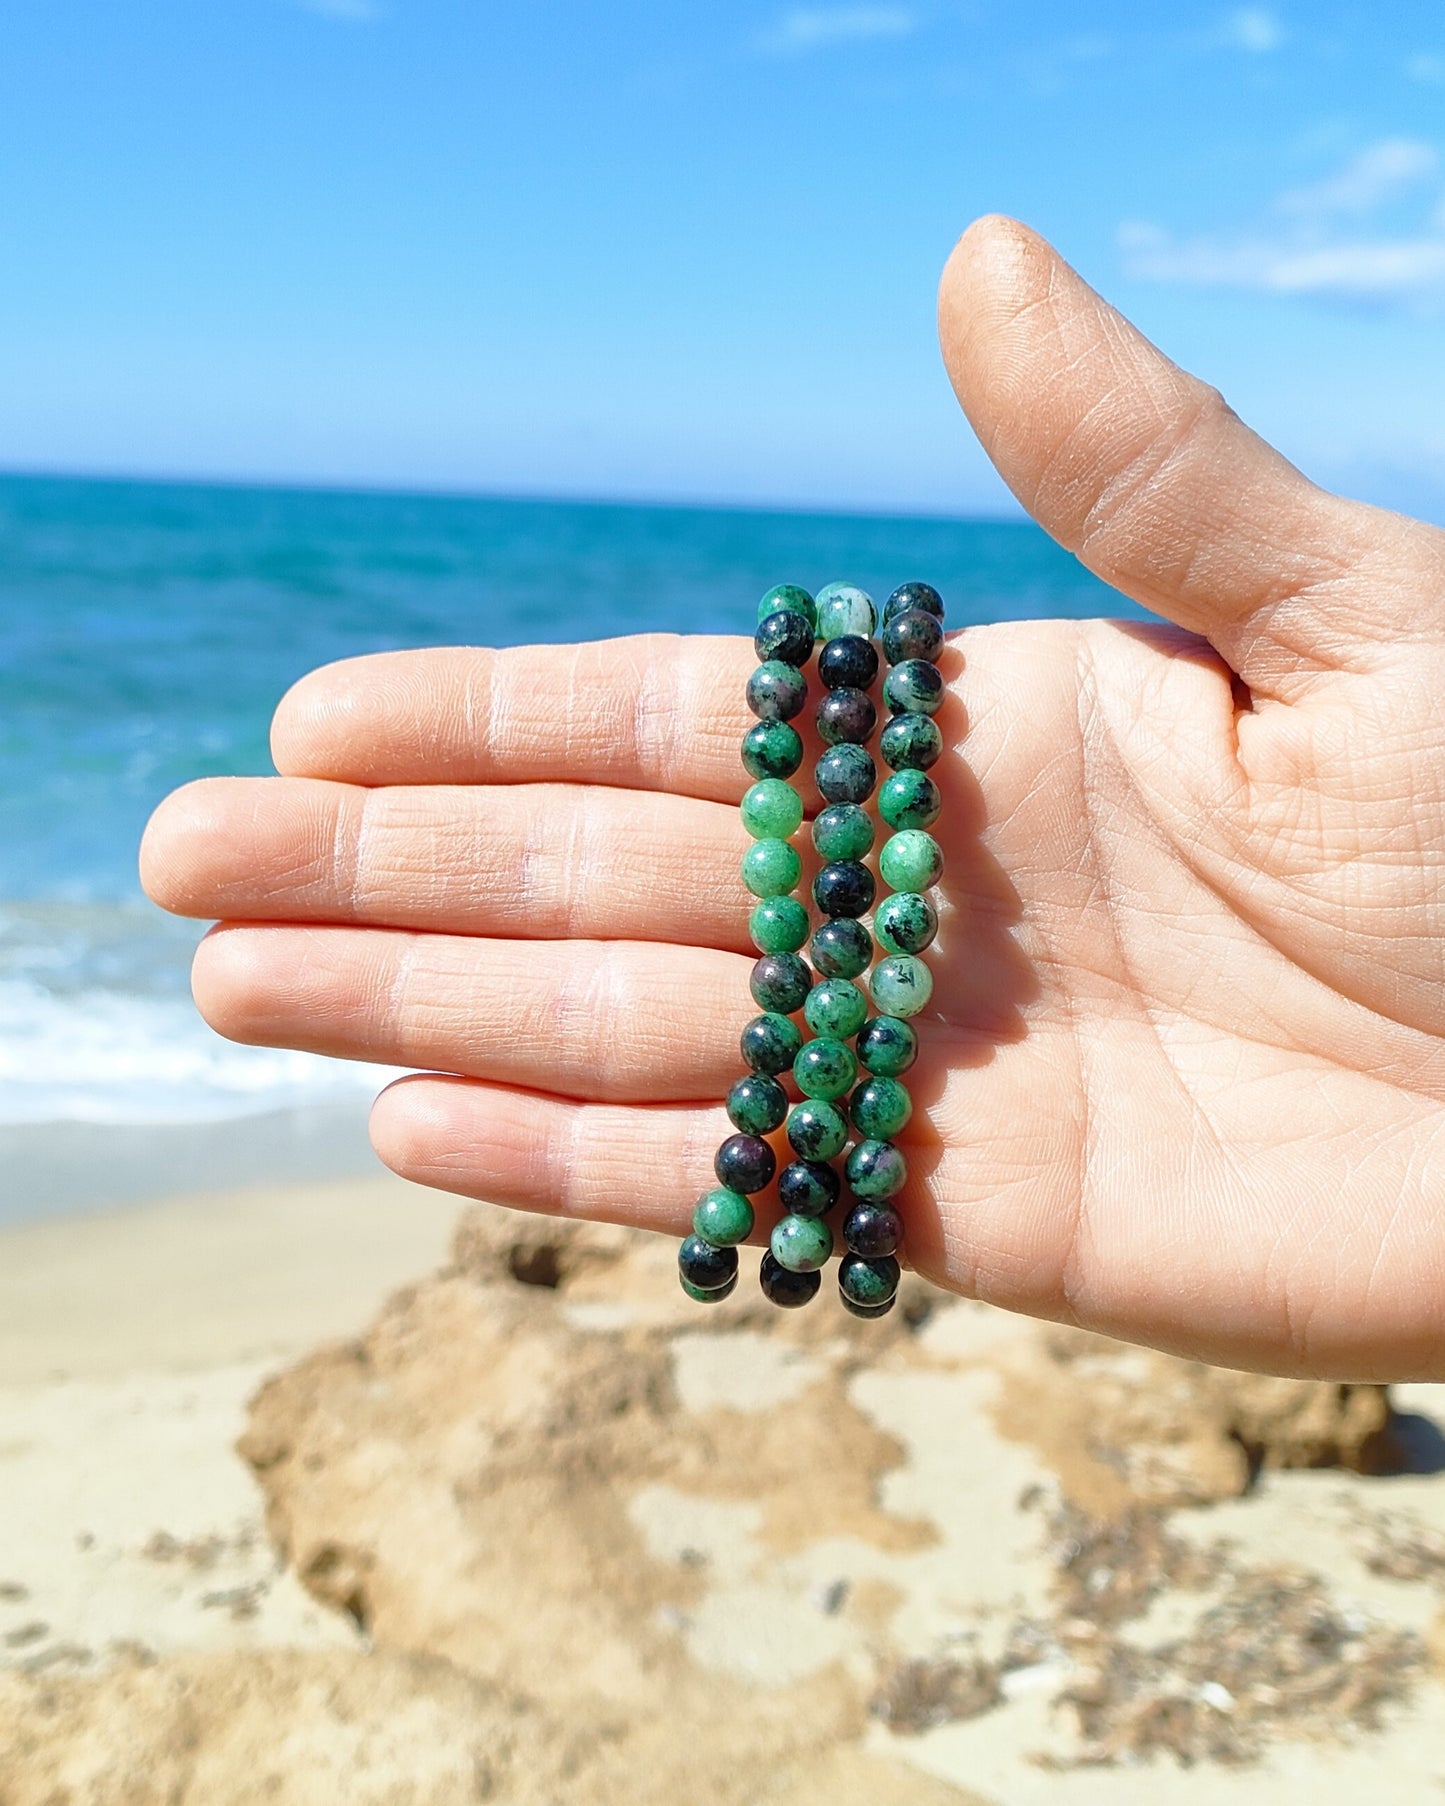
{"type": "Point", "coordinates": [653, 712]}
{"type": "Point", "coordinates": [589, 1019]}
{"type": "Point", "coordinates": [531, 860]}
{"type": "Point", "coordinates": [1148, 476]}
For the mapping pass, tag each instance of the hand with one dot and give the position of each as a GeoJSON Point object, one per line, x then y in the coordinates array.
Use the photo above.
{"type": "Point", "coordinates": [1183, 1082]}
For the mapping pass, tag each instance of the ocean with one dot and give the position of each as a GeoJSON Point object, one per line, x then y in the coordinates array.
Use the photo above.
{"type": "Point", "coordinates": [148, 629]}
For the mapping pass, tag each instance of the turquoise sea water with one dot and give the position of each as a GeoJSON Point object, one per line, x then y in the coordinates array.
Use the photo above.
{"type": "Point", "coordinates": [146, 631]}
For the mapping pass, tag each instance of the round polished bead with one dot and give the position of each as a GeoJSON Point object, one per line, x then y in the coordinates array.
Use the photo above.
{"type": "Point", "coordinates": [757, 1105]}
{"type": "Point", "coordinates": [785, 634]}
{"type": "Point", "coordinates": [876, 1169]}
{"type": "Point", "coordinates": [888, 1046]}
{"type": "Point", "coordinates": [808, 1188]}
{"type": "Point", "coordinates": [770, 1043]}
{"type": "Point", "coordinates": [825, 1068]}
{"type": "Point", "coordinates": [868, 1282]}
{"type": "Point", "coordinates": [843, 831]}
{"type": "Point", "coordinates": [780, 983]}
{"type": "Point", "coordinates": [868, 1312]}
{"type": "Point", "coordinates": [901, 985]}
{"type": "Point", "coordinates": [911, 860]}
{"type": "Point", "coordinates": [772, 749]}
{"type": "Point", "coordinates": [705, 1266]}
{"type": "Point", "coordinates": [788, 596]}
{"type": "Point", "coordinates": [772, 810]}
{"type": "Point", "coordinates": [911, 743]}
{"type": "Point", "coordinates": [845, 774]}
{"type": "Point", "coordinates": [849, 662]}
{"type": "Point", "coordinates": [801, 1244]}
{"type": "Point", "coordinates": [879, 1109]}
{"type": "Point", "coordinates": [785, 1288]}
{"type": "Point", "coordinates": [904, 922]}
{"type": "Point", "coordinates": [778, 925]}
{"type": "Point", "coordinates": [716, 1296]}
{"type": "Point", "coordinates": [846, 717]}
{"type": "Point", "coordinates": [872, 1228]}
{"type": "Point", "coordinates": [841, 949]}
{"type": "Point", "coordinates": [723, 1218]}
{"type": "Point", "coordinates": [745, 1163]}
{"type": "Point", "coordinates": [771, 868]}
{"type": "Point", "coordinates": [843, 608]}
{"type": "Point", "coordinates": [909, 799]}
{"type": "Point", "coordinates": [913, 595]}
{"type": "Point", "coordinates": [911, 634]}
{"type": "Point", "coordinates": [777, 692]}
{"type": "Point", "coordinates": [844, 888]}
{"type": "Point", "coordinates": [836, 1008]}
{"type": "Point", "coordinates": [914, 688]}
{"type": "Point", "coordinates": [817, 1130]}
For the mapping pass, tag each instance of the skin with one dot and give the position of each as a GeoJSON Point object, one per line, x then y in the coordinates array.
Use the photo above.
{"type": "Point", "coordinates": [1182, 1079]}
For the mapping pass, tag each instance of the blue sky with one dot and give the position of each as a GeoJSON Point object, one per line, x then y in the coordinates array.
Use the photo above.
{"type": "Point", "coordinates": [675, 251]}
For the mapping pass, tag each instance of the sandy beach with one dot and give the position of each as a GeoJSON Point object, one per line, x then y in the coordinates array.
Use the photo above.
{"type": "Point", "coordinates": [296, 1504]}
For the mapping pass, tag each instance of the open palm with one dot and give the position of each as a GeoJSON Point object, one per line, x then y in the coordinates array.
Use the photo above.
{"type": "Point", "coordinates": [1183, 1081]}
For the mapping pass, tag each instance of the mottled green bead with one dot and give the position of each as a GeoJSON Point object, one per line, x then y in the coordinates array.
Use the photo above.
{"type": "Point", "coordinates": [843, 831]}
{"type": "Point", "coordinates": [772, 749]}
{"type": "Point", "coordinates": [911, 743]}
{"type": "Point", "coordinates": [915, 687]}
{"type": "Point", "coordinates": [876, 1169]}
{"type": "Point", "coordinates": [808, 1188]}
{"type": "Point", "coordinates": [868, 1312]}
{"type": "Point", "coordinates": [841, 949]}
{"type": "Point", "coordinates": [817, 1130]}
{"type": "Point", "coordinates": [706, 1267]}
{"type": "Point", "coordinates": [914, 595]}
{"type": "Point", "coordinates": [714, 1295]}
{"type": "Point", "coordinates": [836, 1008]}
{"type": "Point", "coordinates": [801, 1244]}
{"type": "Point", "coordinates": [788, 595]}
{"type": "Point", "coordinates": [775, 691]}
{"type": "Point", "coordinates": [773, 810]}
{"type": "Point", "coordinates": [756, 1105]}
{"type": "Point", "coordinates": [845, 774]}
{"type": "Point", "coordinates": [905, 922]}
{"type": "Point", "coordinates": [844, 608]}
{"type": "Point", "coordinates": [780, 982]}
{"type": "Point", "coordinates": [771, 868]}
{"type": "Point", "coordinates": [778, 925]}
{"type": "Point", "coordinates": [770, 1043]}
{"type": "Point", "coordinates": [790, 1291]}
{"type": "Point", "coordinates": [880, 1109]}
{"type": "Point", "coordinates": [722, 1217]}
{"type": "Point", "coordinates": [909, 799]}
{"type": "Point", "coordinates": [825, 1068]}
{"type": "Point", "coordinates": [868, 1282]}
{"type": "Point", "coordinates": [888, 1046]}
{"type": "Point", "coordinates": [901, 985]}
{"type": "Point", "coordinates": [910, 860]}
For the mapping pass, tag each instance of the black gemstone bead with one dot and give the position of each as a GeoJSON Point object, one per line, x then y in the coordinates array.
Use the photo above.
{"type": "Point", "coordinates": [781, 982]}
{"type": "Point", "coordinates": [872, 1228]}
{"type": "Point", "coordinates": [817, 1130]}
{"type": "Point", "coordinates": [868, 1282]}
{"type": "Point", "coordinates": [913, 634]}
{"type": "Point", "coordinates": [786, 635]}
{"type": "Point", "coordinates": [850, 662]}
{"type": "Point", "coordinates": [867, 1311]}
{"type": "Point", "coordinates": [913, 595]}
{"type": "Point", "coordinates": [808, 1188]}
{"type": "Point", "coordinates": [846, 717]}
{"type": "Point", "coordinates": [846, 774]}
{"type": "Point", "coordinates": [841, 949]}
{"type": "Point", "coordinates": [785, 1288]}
{"type": "Point", "coordinates": [757, 1105]}
{"type": "Point", "coordinates": [844, 888]}
{"type": "Point", "coordinates": [914, 687]}
{"type": "Point", "coordinates": [770, 1044]}
{"type": "Point", "coordinates": [700, 1295]}
{"type": "Point", "coordinates": [909, 743]}
{"type": "Point", "coordinates": [705, 1266]}
{"type": "Point", "coordinates": [772, 749]}
{"type": "Point", "coordinates": [745, 1163]}
{"type": "Point", "coordinates": [777, 692]}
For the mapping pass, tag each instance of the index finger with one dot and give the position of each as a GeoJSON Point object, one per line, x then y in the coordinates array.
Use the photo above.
{"type": "Point", "coordinates": [650, 712]}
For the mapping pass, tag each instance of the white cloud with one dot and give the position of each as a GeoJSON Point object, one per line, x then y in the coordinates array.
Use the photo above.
{"type": "Point", "coordinates": [1378, 174]}
{"type": "Point", "coordinates": [816, 27]}
{"type": "Point", "coordinates": [1379, 270]}
{"type": "Point", "coordinates": [1427, 68]}
{"type": "Point", "coordinates": [354, 10]}
{"type": "Point", "coordinates": [1253, 28]}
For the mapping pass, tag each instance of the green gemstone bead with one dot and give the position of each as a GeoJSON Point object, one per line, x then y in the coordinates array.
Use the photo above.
{"type": "Point", "coordinates": [876, 1169]}
{"type": "Point", "coordinates": [905, 922]}
{"type": "Point", "coordinates": [836, 1009]}
{"type": "Point", "coordinates": [801, 1244]}
{"type": "Point", "coordinates": [817, 1130]}
{"type": "Point", "coordinates": [699, 1296]}
{"type": "Point", "coordinates": [843, 831]}
{"type": "Point", "coordinates": [825, 1068]}
{"type": "Point", "coordinates": [910, 860]}
{"type": "Point", "coordinates": [772, 749]}
{"type": "Point", "coordinates": [901, 986]}
{"type": "Point", "coordinates": [771, 868]}
{"type": "Point", "coordinates": [722, 1218]}
{"type": "Point", "coordinates": [770, 1043]}
{"type": "Point", "coordinates": [915, 687]}
{"type": "Point", "coordinates": [909, 799]}
{"type": "Point", "coordinates": [841, 949]}
{"type": "Point", "coordinates": [887, 1046]}
{"type": "Point", "coordinates": [788, 595]}
{"type": "Point", "coordinates": [911, 742]}
{"type": "Point", "coordinates": [778, 925]}
{"type": "Point", "coordinates": [772, 810]}
{"type": "Point", "coordinates": [756, 1105]}
{"type": "Point", "coordinates": [881, 1108]}
{"type": "Point", "coordinates": [844, 608]}
{"type": "Point", "coordinates": [868, 1282]}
